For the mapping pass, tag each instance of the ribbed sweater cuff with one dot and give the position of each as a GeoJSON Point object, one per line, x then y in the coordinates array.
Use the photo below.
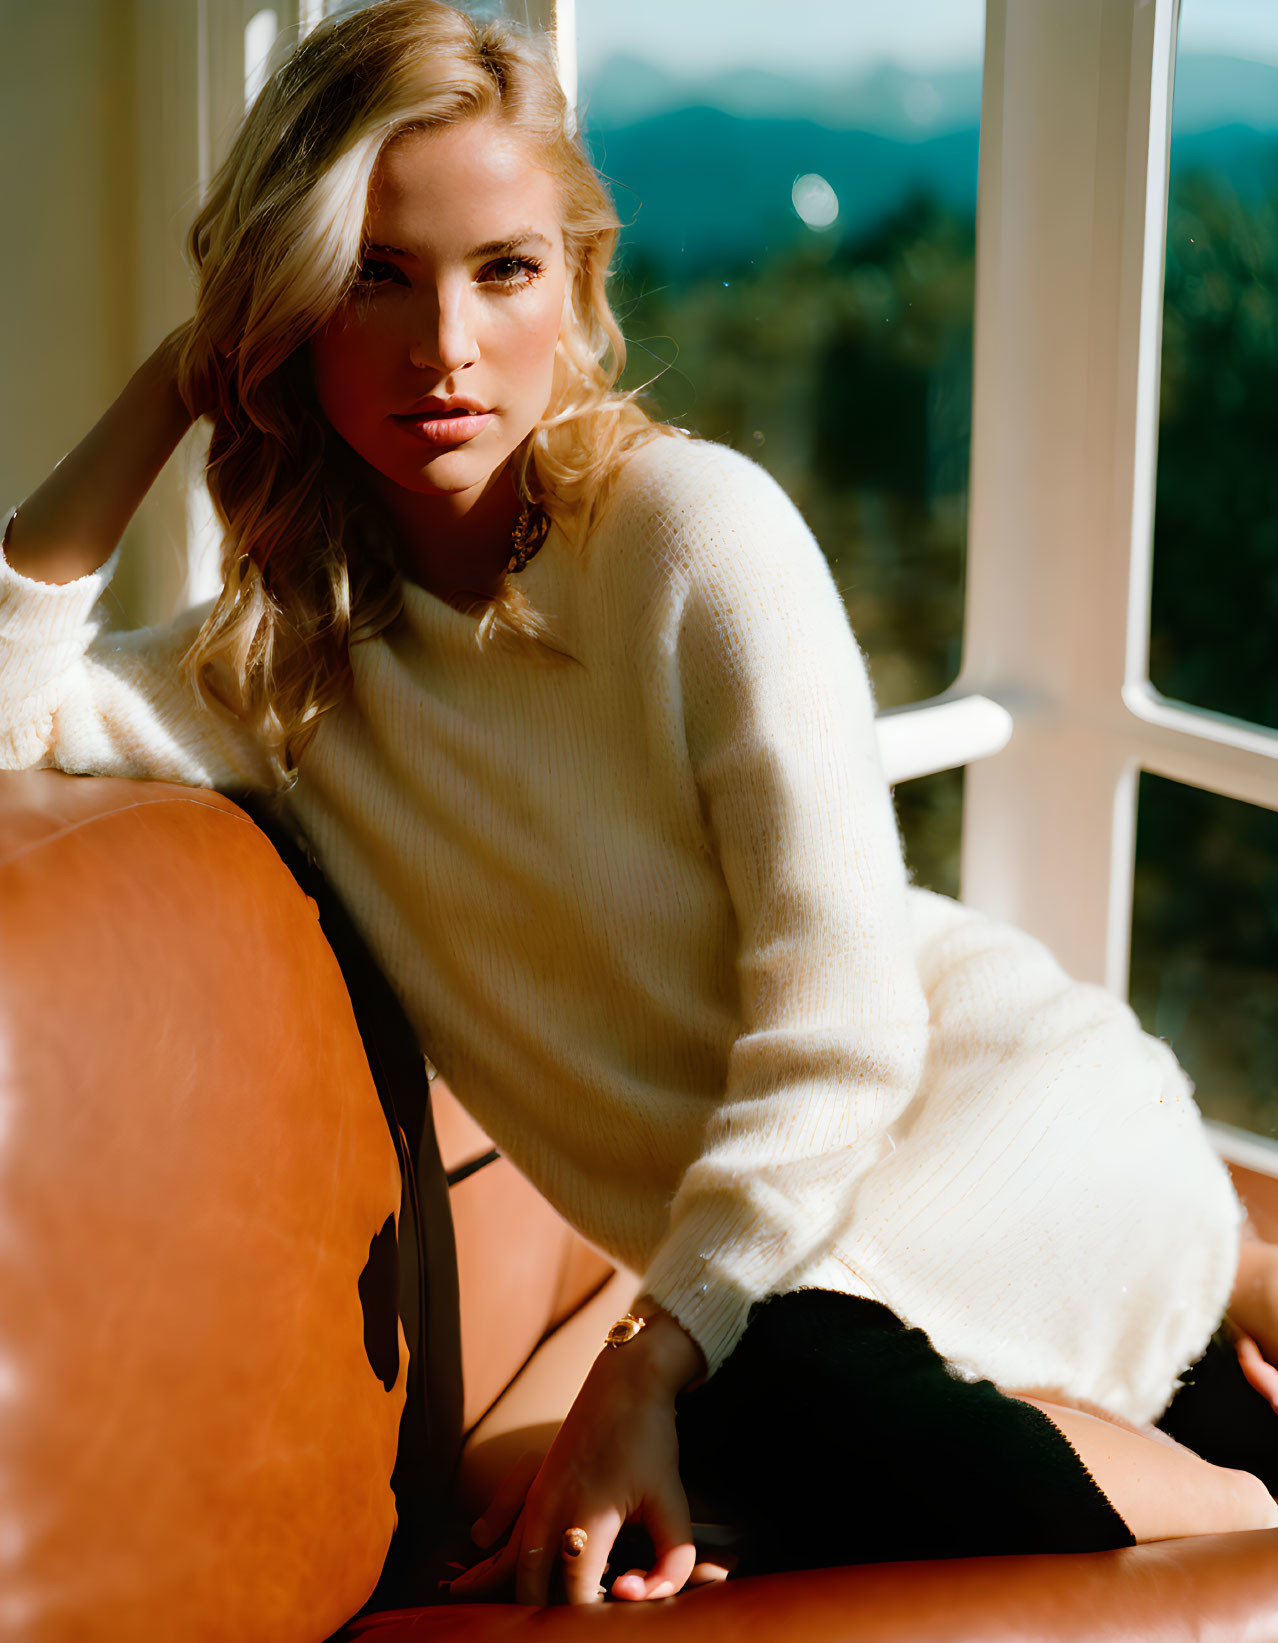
{"type": "Point", "coordinates": [34, 615]}
{"type": "Point", "coordinates": [688, 1276]}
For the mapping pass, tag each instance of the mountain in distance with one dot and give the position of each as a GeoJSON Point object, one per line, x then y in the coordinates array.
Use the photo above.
{"type": "Point", "coordinates": [1214, 91]}
{"type": "Point", "coordinates": [702, 171]}
{"type": "Point", "coordinates": [1211, 91]}
{"type": "Point", "coordinates": [702, 189]}
{"type": "Point", "coordinates": [887, 99]}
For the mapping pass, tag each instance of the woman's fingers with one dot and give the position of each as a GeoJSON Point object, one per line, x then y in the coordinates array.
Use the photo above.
{"type": "Point", "coordinates": [533, 1568]}
{"type": "Point", "coordinates": [711, 1570]}
{"type": "Point", "coordinates": [668, 1575]}
{"type": "Point", "coordinates": [676, 1556]}
{"type": "Point", "coordinates": [505, 1506]}
{"type": "Point", "coordinates": [705, 1573]}
{"type": "Point", "coordinates": [500, 1574]}
{"type": "Point", "coordinates": [580, 1575]}
{"type": "Point", "coordinates": [487, 1580]}
{"type": "Point", "coordinates": [491, 1578]}
{"type": "Point", "coordinates": [583, 1575]}
{"type": "Point", "coordinates": [1261, 1374]}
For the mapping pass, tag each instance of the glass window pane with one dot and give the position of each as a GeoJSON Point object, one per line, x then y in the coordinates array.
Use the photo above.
{"type": "Point", "coordinates": [796, 271]}
{"type": "Point", "coordinates": [1205, 944]}
{"type": "Point", "coordinates": [1215, 595]}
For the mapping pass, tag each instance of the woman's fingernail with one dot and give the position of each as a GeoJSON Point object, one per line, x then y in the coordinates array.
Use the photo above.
{"type": "Point", "coordinates": [664, 1589]}
{"type": "Point", "coordinates": [481, 1534]}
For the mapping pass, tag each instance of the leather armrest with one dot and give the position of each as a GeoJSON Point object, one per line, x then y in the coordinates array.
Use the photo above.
{"type": "Point", "coordinates": [1213, 1587]}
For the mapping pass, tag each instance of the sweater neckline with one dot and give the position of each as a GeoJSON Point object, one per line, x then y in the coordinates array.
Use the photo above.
{"type": "Point", "coordinates": [428, 610]}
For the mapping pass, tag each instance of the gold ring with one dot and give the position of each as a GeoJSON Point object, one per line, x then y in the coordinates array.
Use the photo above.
{"type": "Point", "coordinates": [574, 1542]}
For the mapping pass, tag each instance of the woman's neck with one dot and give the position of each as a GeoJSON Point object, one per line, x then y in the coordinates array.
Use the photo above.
{"type": "Point", "coordinates": [455, 544]}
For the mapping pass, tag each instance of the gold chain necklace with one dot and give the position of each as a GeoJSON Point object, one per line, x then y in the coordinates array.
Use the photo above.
{"type": "Point", "coordinates": [530, 532]}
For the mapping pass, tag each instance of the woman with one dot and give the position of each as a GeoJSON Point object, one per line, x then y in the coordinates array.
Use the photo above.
{"type": "Point", "coordinates": [567, 706]}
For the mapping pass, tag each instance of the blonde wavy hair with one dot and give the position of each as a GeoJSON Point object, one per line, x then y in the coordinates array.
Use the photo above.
{"type": "Point", "coordinates": [308, 566]}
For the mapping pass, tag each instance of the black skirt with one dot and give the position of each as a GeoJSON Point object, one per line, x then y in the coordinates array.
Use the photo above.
{"type": "Point", "coordinates": [836, 1434]}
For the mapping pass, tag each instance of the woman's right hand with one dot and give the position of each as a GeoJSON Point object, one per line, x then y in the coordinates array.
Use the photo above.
{"type": "Point", "coordinates": [197, 391]}
{"type": "Point", "coordinates": [614, 1461]}
{"type": "Point", "coordinates": [499, 1517]}
{"type": "Point", "coordinates": [69, 525]}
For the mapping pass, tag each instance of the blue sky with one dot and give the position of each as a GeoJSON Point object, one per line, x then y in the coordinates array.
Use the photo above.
{"type": "Point", "coordinates": [1236, 28]}
{"type": "Point", "coordinates": [689, 36]}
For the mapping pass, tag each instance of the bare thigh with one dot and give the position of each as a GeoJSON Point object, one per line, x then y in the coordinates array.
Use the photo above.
{"type": "Point", "coordinates": [1159, 1488]}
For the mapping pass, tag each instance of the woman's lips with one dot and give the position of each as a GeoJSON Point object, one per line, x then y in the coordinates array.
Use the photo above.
{"type": "Point", "coordinates": [453, 429]}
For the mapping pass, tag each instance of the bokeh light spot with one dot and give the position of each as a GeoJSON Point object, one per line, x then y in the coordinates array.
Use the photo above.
{"type": "Point", "coordinates": [814, 200]}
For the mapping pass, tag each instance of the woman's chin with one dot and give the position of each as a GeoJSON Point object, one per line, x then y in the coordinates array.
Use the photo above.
{"type": "Point", "coordinates": [454, 473]}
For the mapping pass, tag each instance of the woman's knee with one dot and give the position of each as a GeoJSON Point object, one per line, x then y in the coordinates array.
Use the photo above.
{"type": "Point", "coordinates": [1159, 1488]}
{"type": "Point", "coordinates": [1255, 1502]}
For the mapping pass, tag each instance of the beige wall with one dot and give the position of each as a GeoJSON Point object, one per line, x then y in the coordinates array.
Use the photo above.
{"type": "Point", "coordinates": [99, 133]}
{"type": "Point", "coordinates": [66, 319]}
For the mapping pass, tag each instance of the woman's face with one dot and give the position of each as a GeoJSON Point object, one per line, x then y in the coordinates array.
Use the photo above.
{"type": "Point", "coordinates": [440, 364]}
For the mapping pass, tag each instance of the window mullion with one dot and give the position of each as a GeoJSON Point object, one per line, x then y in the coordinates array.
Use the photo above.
{"type": "Point", "coordinates": [940, 734]}
{"type": "Point", "coordinates": [1073, 181]}
{"type": "Point", "coordinates": [1205, 749]}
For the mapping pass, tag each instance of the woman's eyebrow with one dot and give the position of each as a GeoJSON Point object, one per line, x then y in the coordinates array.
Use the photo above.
{"type": "Point", "coordinates": [494, 248]}
{"type": "Point", "coordinates": [500, 248]}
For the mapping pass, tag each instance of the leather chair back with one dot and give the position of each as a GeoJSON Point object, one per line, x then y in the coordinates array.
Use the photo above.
{"type": "Point", "coordinates": [199, 1406]}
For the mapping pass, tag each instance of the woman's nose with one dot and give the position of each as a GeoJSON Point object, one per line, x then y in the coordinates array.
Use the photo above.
{"type": "Point", "coordinates": [443, 337]}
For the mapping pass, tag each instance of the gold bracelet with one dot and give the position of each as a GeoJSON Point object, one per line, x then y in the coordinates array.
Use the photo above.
{"type": "Point", "coordinates": [625, 1329]}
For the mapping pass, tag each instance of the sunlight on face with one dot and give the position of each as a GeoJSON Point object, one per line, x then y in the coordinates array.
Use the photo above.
{"type": "Point", "coordinates": [441, 363]}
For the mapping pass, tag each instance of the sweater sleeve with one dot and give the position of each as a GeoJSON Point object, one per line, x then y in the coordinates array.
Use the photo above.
{"type": "Point", "coordinates": [779, 721]}
{"type": "Point", "coordinates": [78, 696]}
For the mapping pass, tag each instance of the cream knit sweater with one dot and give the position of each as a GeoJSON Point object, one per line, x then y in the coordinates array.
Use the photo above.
{"type": "Point", "coordinates": [648, 913]}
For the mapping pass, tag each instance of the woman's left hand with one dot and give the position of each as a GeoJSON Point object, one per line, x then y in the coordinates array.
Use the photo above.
{"type": "Point", "coordinates": [615, 1460]}
{"type": "Point", "coordinates": [1256, 1367]}
{"type": "Point", "coordinates": [1253, 1317]}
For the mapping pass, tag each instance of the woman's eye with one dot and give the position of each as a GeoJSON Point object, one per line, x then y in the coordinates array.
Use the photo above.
{"type": "Point", "coordinates": [511, 271]}
{"type": "Point", "coordinates": [372, 271]}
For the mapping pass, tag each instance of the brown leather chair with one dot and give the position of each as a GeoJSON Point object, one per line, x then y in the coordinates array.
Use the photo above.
{"type": "Point", "coordinates": [201, 1367]}
{"type": "Point", "coordinates": [194, 1445]}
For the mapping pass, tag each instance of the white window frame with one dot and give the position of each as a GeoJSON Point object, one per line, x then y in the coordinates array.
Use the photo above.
{"type": "Point", "coordinates": [1052, 715]}
{"type": "Point", "coordinates": [1071, 237]}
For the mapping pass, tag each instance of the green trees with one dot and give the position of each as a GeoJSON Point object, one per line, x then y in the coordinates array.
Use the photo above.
{"type": "Point", "coordinates": [1205, 934]}
{"type": "Point", "coordinates": [845, 367]}
{"type": "Point", "coordinates": [1216, 525]}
